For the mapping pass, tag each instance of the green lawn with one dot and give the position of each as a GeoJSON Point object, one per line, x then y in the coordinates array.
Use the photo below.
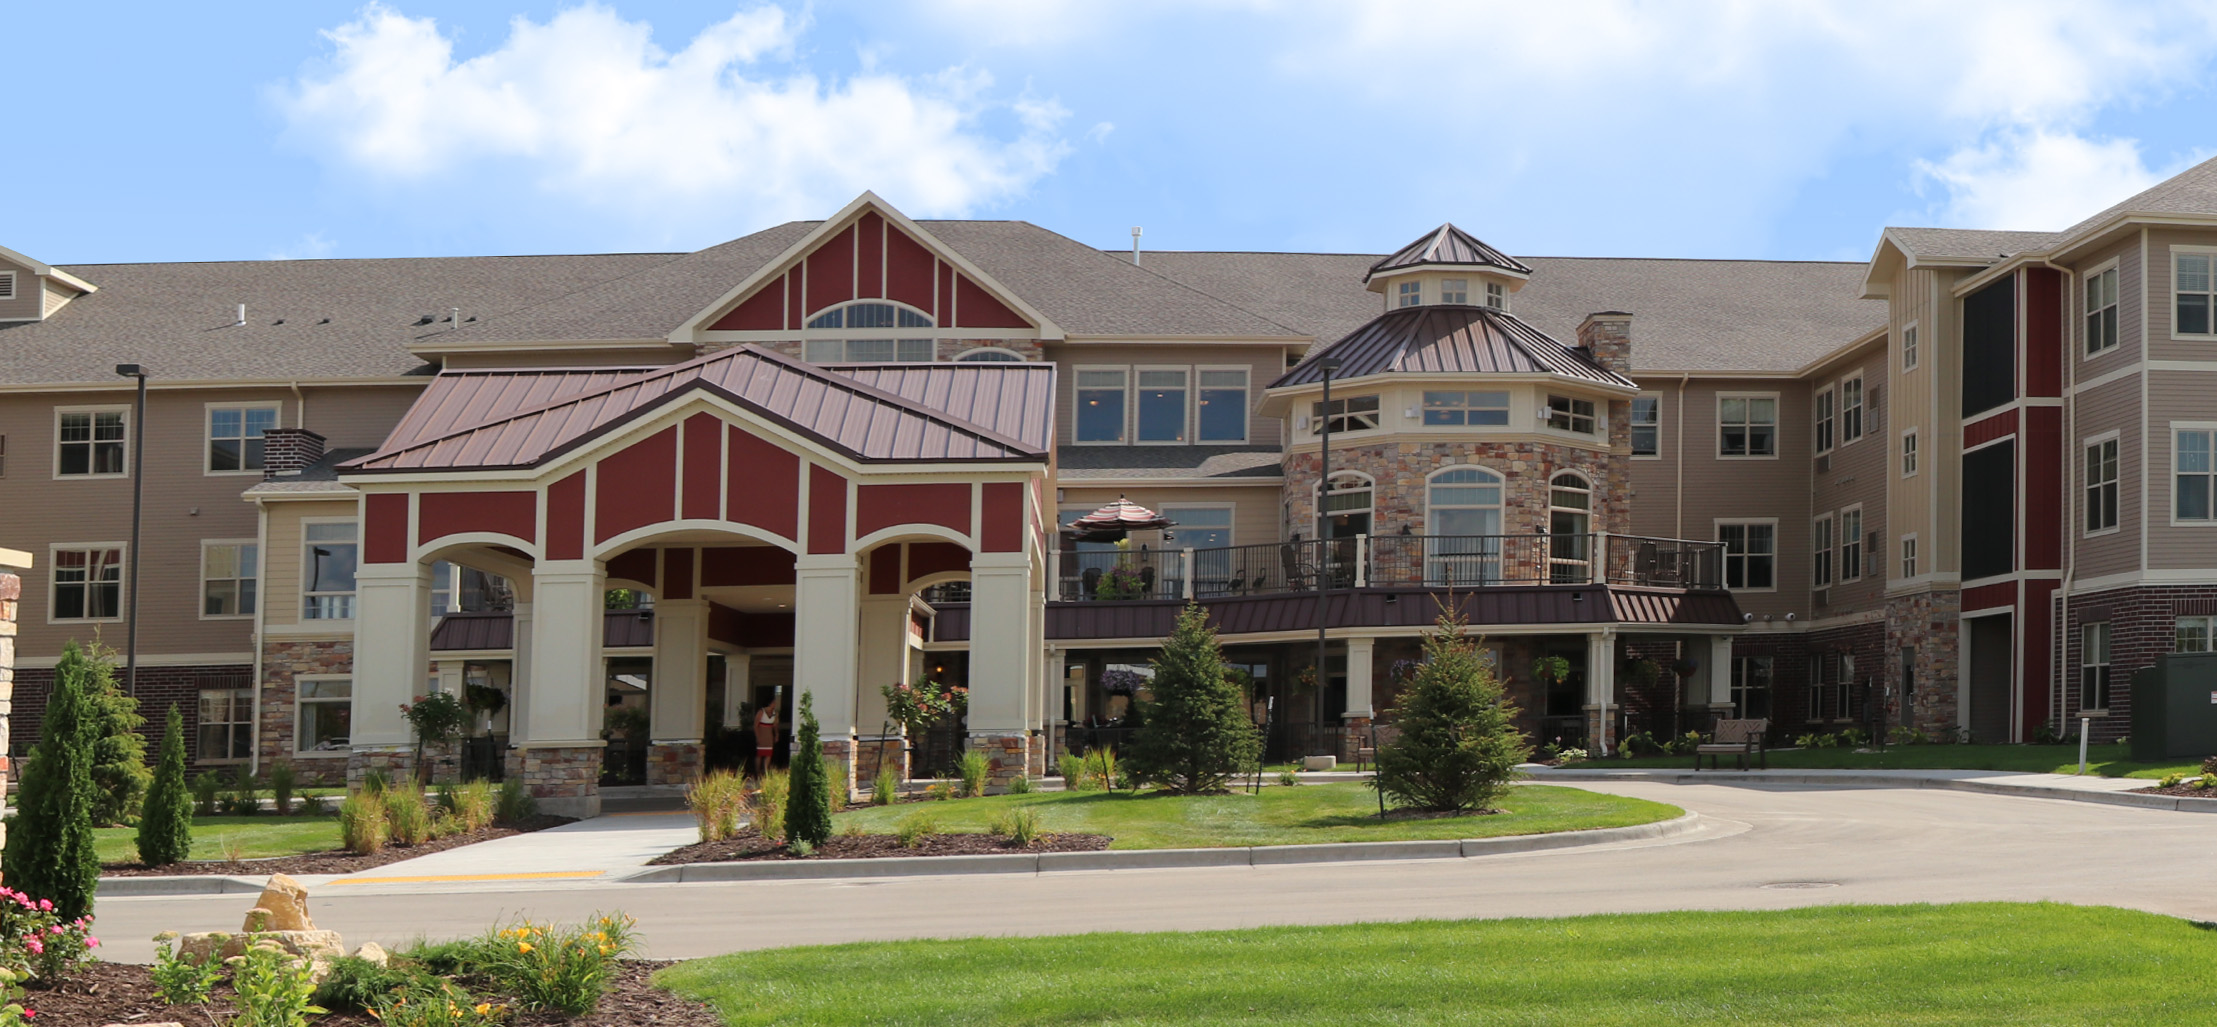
{"type": "Point", "coordinates": [2105, 760]}
{"type": "Point", "coordinates": [1345, 812]}
{"type": "Point", "coordinates": [1967, 964]}
{"type": "Point", "coordinates": [256, 837]}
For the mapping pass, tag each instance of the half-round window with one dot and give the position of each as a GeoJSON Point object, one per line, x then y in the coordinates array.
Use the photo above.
{"type": "Point", "coordinates": [989, 355]}
{"type": "Point", "coordinates": [832, 334]}
{"type": "Point", "coordinates": [870, 315]}
{"type": "Point", "coordinates": [1346, 506]}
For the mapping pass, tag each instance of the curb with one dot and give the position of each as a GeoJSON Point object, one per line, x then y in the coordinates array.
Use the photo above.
{"type": "Point", "coordinates": [1054, 862]}
{"type": "Point", "coordinates": [2179, 803]}
{"type": "Point", "coordinates": [177, 884]}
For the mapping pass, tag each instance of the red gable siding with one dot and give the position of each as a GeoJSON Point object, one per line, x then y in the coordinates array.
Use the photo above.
{"type": "Point", "coordinates": [677, 574]}
{"type": "Point", "coordinates": [827, 511]}
{"type": "Point", "coordinates": [762, 312]}
{"type": "Point", "coordinates": [978, 308]}
{"type": "Point", "coordinates": [945, 310]}
{"type": "Point", "coordinates": [870, 257]}
{"type": "Point", "coordinates": [908, 271]}
{"type": "Point", "coordinates": [385, 536]}
{"type": "Point", "coordinates": [440, 514]}
{"type": "Point", "coordinates": [2000, 425]}
{"type": "Point", "coordinates": [704, 465]}
{"type": "Point", "coordinates": [2043, 332]}
{"type": "Point", "coordinates": [636, 565]}
{"type": "Point", "coordinates": [637, 486]}
{"type": "Point", "coordinates": [883, 506]}
{"type": "Point", "coordinates": [928, 558]}
{"type": "Point", "coordinates": [566, 518]}
{"type": "Point", "coordinates": [831, 272]}
{"type": "Point", "coordinates": [885, 570]}
{"type": "Point", "coordinates": [1003, 522]}
{"type": "Point", "coordinates": [794, 304]}
{"type": "Point", "coordinates": [762, 487]}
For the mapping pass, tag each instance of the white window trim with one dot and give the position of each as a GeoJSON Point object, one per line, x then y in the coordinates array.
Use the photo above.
{"type": "Point", "coordinates": [1911, 559]}
{"type": "Point", "coordinates": [1912, 354]}
{"type": "Point", "coordinates": [122, 581]}
{"type": "Point", "coordinates": [1716, 531]}
{"type": "Point", "coordinates": [1862, 411]}
{"type": "Point", "coordinates": [206, 457]}
{"type": "Point", "coordinates": [1231, 524]}
{"type": "Point", "coordinates": [1246, 401]}
{"type": "Point", "coordinates": [103, 408]}
{"type": "Point", "coordinates": [1818, 422]}
{"type": "Point", "coordinates": [1600, 430]}
{"type": "Point", "coordinates": [1841, 573]}
{"type": "Point", "coordinates": [200, 598]}
{"type": "Point", "coordinates": [2209, 631]}
{"type": "Point", "coordinates": [1317, 419]}
{"type": "Point", "coordinates": [247, 725]}
{"type": "Point", "coordinates": [2084, 485]}
{"type": "Point", "coordinates": [1911, 455]}
{"type": "Point", "coordinates": [15, 287]}
{"type": "Point", "coordinates": [2171, 295]}
{"type": "Point", "coordinates": [868, 333]}
{"type": "Point", "coordinates": [317, 754]}
{"type": "Point", "coordinates": [2171, 489]}
{"type": "Point", "coordinates": [1316, 502]}
{"type": "Point", "coordinates": [1778, 409]}
{"type": "Point", "coordinates": [2109, 659]}
{"type": "Point", "coordinates": [1832, 549]}
{"type": "Point", "coordinates": [1658, 454]}
{"type": "Point", "coordinates": [2112, 264]}
{"type": "Point", "coordinates": [1077, 371]}
{"type": "Point", "coordinates": [303, 595]}
{"type": "Point", "coordinates": [1405, 297]}
{"type": "Point", "coordinates": [1185, 428]}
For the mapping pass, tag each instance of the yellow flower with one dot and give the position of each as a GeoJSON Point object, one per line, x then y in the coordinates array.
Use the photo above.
{"type": "Point", "coordinates": [523, 947]}
{"type": "Point", "coordinates": [484, 1009]}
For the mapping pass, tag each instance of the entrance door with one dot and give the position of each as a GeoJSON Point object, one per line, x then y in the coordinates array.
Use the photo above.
{"type": "Point", "coordinates": [1988, 649]}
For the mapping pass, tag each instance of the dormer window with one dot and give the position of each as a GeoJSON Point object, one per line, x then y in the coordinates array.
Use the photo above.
{"type": "Point", "coordinates": [1454, 290]}
{"type": "Point", "coordinates": [1412, 293]}
{"type": "Point", "coordinates": [1497, 296]}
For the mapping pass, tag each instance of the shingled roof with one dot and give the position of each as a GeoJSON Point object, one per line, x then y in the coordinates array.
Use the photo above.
{"type": "Point", "coordinates": [1451, 246]}
{"type": "Point", "coordinates": [2192, 191]}
{"type": "Point", "coordinates": [1981, 245]}
{"type": "Point", "coordinates": [1450, 339]}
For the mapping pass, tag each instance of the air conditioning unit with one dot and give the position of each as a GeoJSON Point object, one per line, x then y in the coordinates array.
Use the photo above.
{"type": "Point", "coordinates": [1821, 597]}
{"type": "Point", "coordinates": [1824, 464]}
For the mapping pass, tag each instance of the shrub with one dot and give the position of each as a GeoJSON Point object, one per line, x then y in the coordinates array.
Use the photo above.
{"type": "Point", "coordinates": [182, 981]}
{"type": "Point", "coordinates": [808, 814]}
{"type": "Point", "coordinates": [1102, 770]}
{"type": "Point", "coordinates": [1288, 778]}
{"type": "Point", "coordinates": [914, 827]}
{"type": "Point", "coordinates": [205, 787]}
{"type": "Point", "coordinates": [801, 849]}
{"type": "Point", "coordinates": [1195, 731]}
{"type": "Point", "coordinates": [165, 821]}
{"type": "Point", "coordinates": [2203, 782]}
{"type": "Point", "coordinates": [363, 828]}
{"type": "Point", "coordinates": [282, 780]}
{"type": "Point", "coordinates": [2173, 780]}
{"type": "Point", "coordinates": [1073, 771]}
{"type": "Point", "coordinates": [273, 989]}
{"type": "Point", "coordinates": [36, 937]}
{"type": "Point", "coordinates": [515, 803]}
{"type": "Point", "coordinates": [408, 816]}
{"type": "Point", "coordinates": [556, 968]}
{"type": "Point", "coordinates": [246, 793]}
{"type": "Point", "coordinates": [434, 718]}
{"type": "Point", "coordinates": [886, 790]}
{"type": "Point", "coordinates": [1021, 784]}
{"type": "Point", "coordinates": [1900, 735]}
{"type": "Point", "coordinates": [1574, 755]}
{"type": "Point", "coordinates": [49, 847]}
{"type": "Point", "coordinates": [1458, 747]}
{"type": "Point", "coordinates": [2209, 766]}
{"type": "Point", "coordinates": [424, 1001]}
{"type": "Point", "coordinates": [941, 790]}
{"type": "Point", "coordinates": [474, 803]}
{"type": "Point", "coordinates": [120, 770]}
{"type": "Point", "coordinates": [1019, 825]}
{"type": "Point", "coordinates": [719, 802]}
{"type": "Point", "coordinates": [375, 782]}
{"type": "Point", "coordinates": [974, 770]}
{"type": "Point", "coordinates": [769, 804]}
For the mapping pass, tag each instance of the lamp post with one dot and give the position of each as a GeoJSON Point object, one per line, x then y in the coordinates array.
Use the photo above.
{"type": "Point", "coordinates": [1323, 519]}
{"type": "Point", "coordinates": [138, 509]}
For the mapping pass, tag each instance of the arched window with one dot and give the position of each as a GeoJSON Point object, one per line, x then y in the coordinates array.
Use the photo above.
{"type": "Point", "coordinates": [830, 334]}
{"type": "Point", "coordinates": [1462, 525]}
{"type": "Point", "coordinates": [1570, 527]}
{"type": "Point", "coordinates": [989, 354]}
{"type": "Point", "coordinates": [1346, 506]}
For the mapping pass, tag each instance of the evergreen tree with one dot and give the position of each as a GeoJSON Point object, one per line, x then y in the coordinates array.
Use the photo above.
{"type": "Point", "coordinates": [120, 772]}
{"type": "Point", "coordinates": [165, 824]}
{"type": "Point", "coordinates": [1458, 747]}
{"type": "Point", "coordinates": [808, 806]}
{"type": "Point", "coordinates": [1194, 731]}
{"type": "Point", "coordinates": [50, 851]}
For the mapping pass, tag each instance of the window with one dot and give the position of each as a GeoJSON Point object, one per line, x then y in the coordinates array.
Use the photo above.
{"type": "Point", "coordinates": [868, 315]}
{"type": "Point", "coordinates": [1466, 408]}
{"type": "Point", "coordinates": [1647, 426]}
{"type": "Point", "coordinates": [1100, 416]}
{"type": "Point", "coordinates": [2192, 289]}
{"type": "Point", "coordinates": [2101, 311]}
{"type": "Point", "coordinates": [1909, 453]}
{"type": "Point", "coordinates": [1829, 677]}
{"type": "Point", "coordinates": [1851, 409]}
{"type": "Point", "coordinates": [88, 442]}
{"type": "Point", "coordinates": [235, 437]}
{"type": "Point", "coordinates": [327, 561]}
{"type": "Point", "coordinates": [459, 589]}
{"type": "Point", "coordinates": [1851, 544]}
{"type": "Point", "coordinates": [1454, 290]}
{"type": "Point", "coordinates": [989, 355]}
{"type": "Point", "coordinates": [1462, 513]}
{"type": "Point", "coordinates": [1909, 348]}
{"type": "Point", "coordinates": [226, 724]}
{"type": "Point", "coordinates": [2093, 666]}
{"type": "Point", "coordinates": [1572, 415]}
{"type": "Point", "coordinates": [869, 351]}
{"type": "Point", "coordinates": [1569, 520]}
{"type": "Point", "coordinates": [7, 285]}
{"type": "Point", "coordinates": [1747, 425]}
{"type": "Point", "coordinates": [1222, 413]}
{"type": "Point", "coordinates": [326, 712]}
{"type": "Point", "coordinates": [1497, 296]}
{"type": "Point", "coordinates": [1824, 407]}
{"type": "Point", "coordinates": [1751, 687]}
{"type": "Point", "coordinates": [2196, 634]}
{"type": "Point", "coordinates": [1346, 506]}
{"type": "Point", "coordinates": [2101, 485]}
{"type": "Point", "coordinates": [1162, 408]}
{"type": "Point", "coordinates": [229, 573]}
{"type": "Point", "coordinates": [1909, 555]}
{"type": "Point", "coordinates": [1412, 293]}
{"type": "Point", "coordinates": [1356, 413]}
{"type": "Point", "coordinates": [1820, 547]}
{"type": "Point", "coordinates": [1750, 553]}
{"type": "Point", "coordinates": [1201, 527]}
{"type": "Point", "coordinates": [87, 584]}
{"type": "Point", "coordinates": [2193, 473]}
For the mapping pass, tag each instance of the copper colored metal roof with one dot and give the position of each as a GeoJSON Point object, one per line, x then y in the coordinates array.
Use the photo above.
{"type": "Point", "coordinates": [474, 632]}
{"type": "Point", "coordinates": [1443, 339]}
{"type": "Point", "coordinates": [1448, 244]}
{"type": "Point", "coordinates": [489, 424]}
{"type": "Point", "coordinates": [1007, 398]}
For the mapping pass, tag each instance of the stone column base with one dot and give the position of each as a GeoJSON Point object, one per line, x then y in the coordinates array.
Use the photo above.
{"type": "Point", "coordinates": [841, 753]}
{"type": "Point", "coordinates": [1601, 735]}
{"type": "Point", "coordinates": [396, 762]}
{"type": "Point", "coordinates": [1035, 760]}
{"type": "Point", "coordinates": [564, 779]}
{"type": "Point", "coordinates": [1008, 756]}
{"type": "Point", "coordinates": [1354, 734]}
{"type": "Point", "coordinates": [874, 753]}
{"type": "Point", "coordinates": [673, 763]}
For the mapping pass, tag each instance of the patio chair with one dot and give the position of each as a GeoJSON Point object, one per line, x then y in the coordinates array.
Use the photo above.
{"type": "Point", "coordinates": [1736, 738]}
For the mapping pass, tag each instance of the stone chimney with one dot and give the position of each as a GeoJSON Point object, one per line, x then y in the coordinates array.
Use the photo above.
{"type": "Point", "coordinates": [1607, 336]}
{"type": "Point", "coordinates": [288, 451]}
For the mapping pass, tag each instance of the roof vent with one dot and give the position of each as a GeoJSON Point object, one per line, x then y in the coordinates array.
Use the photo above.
{"type": "Point", "coordinates": [325, 321]}
{"type": "Point", "coordinates": [425, 319]}
{"type": "Point", "coordinates": [279, 321]}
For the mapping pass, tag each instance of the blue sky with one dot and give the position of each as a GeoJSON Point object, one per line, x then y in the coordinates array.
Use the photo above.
{"type": "Point", "coordinates": [1770, 129]}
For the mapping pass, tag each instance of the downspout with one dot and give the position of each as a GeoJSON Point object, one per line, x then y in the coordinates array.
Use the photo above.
{"type": "Point", "coordinates": [261, 607]}
{"type": "Point", "coordinates": [300, 405]}
{"type": "Point", "coordinates": [1678, 488]}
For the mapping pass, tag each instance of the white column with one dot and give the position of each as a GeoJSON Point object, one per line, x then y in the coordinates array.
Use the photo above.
{"type": "Point", "coordinates": [738, 685]}
{"type": "Point", "coordinates": [1001, 650]}
{"type": "Point", "coordinates": [1359, 678]}
{"type": "Point", "coordinates": [568, 680]}
{"type": "Point", "coordinates": [392, 649]}
{"type": "Point", "coordinates": [1601, 686]}
{"type": "Point", "coordinates": [519, 673]}
{"type": "Point", "coordinates": [450, 677]}
{"type": "Point", "coordinates": [677, 698]}
{"type": "Point", "coordinates": [884, 657]}
{"type": "Point", "coordinates": [824, 639]}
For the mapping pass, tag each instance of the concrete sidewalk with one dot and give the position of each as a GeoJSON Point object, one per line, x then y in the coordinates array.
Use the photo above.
{"type": "Point", "coordinates": [2116, 791]}
{"type": "Point", "coordinates": [583, 851]}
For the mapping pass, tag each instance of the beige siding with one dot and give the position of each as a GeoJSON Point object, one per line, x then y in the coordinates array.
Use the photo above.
{"type": "Point", "coordinates": [2132, 297]}
{"type": "Point", "coordinates": [2159, 297]}
{"type": "Point", "coordinates": [2111, 407]}
{"type": "Point", "coordinates": [1255, 508]}
{"type": "Point", "coordinates": [56, 296]}
{"type": "Point", "coordinates": [29, 298]}
{"type": "Point", "coordinates": [1265, 364]}
{"type": "Point", "coordinates": [1655, 493]}
{"type": "Point", "coordinates": [1858, 475]}
{"type": "Point", "coordinates": [1733, 489]}
{"type": "Point", "coordinates": [281, 562]}
{"type": "Point", "coordinates": [355, 417]}
{"type": "Point", "coordinates": [2176, 396]}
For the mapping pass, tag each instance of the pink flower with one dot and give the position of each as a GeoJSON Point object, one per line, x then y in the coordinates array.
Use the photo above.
{"type": "Point", "coordinates": [46, 905]}
{"type": "Point", "coordinates": [37, 947]}
{"type": "Point", "coordinates": [91, 942]}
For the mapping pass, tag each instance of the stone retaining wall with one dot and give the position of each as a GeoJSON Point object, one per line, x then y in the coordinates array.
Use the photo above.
{"type": "Point", "coordinates": [565, 781]}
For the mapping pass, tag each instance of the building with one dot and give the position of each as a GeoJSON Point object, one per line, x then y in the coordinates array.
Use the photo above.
{"type": "Point", "coordinates": [620, 501]}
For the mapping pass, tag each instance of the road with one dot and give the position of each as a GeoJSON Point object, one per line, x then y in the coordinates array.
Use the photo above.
{"type": "Point", "coordinates": [1760, 847]}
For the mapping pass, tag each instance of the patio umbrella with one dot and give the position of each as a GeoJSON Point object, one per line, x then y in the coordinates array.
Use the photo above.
{"type": "Point", "coordinates": [1112, 522]}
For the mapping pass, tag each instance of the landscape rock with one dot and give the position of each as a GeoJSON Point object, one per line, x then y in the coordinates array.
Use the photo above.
{"type": "Point", "coordinates": [373, 952]}
{"type": "Point", "coordinates": [285, 903]}
{"type": "Point", "coordinates": [221, 945]}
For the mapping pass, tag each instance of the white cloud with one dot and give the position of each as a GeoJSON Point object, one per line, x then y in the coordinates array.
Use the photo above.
{"type": "Point", "coordinates": [596, 113]}
{"type": "Point", "coordinates": [2036, 179]}
{"type": "Point", "coordinates": [309, 246]}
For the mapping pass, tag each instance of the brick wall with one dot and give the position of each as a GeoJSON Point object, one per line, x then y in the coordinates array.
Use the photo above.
{"type": "Point", "coordinates": [1789, 653]}
{"type": "Point", "coordinates": [282, 664]}
{"type": "Point", "coordinates": [1866, 643]}
{"type": "Point", "coordinates": [2143, 625]}
{"type": "Point", "coordinates": [158, 688]}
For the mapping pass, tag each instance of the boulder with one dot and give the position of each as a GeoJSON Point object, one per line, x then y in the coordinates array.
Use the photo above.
{"type": "Point", "coordinates": [220, 945]}
{"type": "Point", "coordinates": [283, 906]}
{"type": "Point", "coordinates": [374, 953]}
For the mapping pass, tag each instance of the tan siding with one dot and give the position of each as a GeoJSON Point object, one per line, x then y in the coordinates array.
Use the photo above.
{"type": "Point", "coordinates": [2131, 298]}
{"type": "Point", "coordinates": [281, 562]}
{"type": "Point", "coordinates": [56, 296]}
{"type": "Point", "coordinates": [1858, 475]}
{"type": "Point", "coordinates": [1731, 489]}
{"type": "Point", "coordinates": [29, 298]}
{"type": "Point", "coordinates": [355, 418]}
{"type": "Point", "coordinates": [2159, 299]}
{"type": "Point", "coordinates": [1655, 481]}
{"type": "Point", "coordinates": [2176, 396]}
{"type": "Point", "coordinates": [2111, 407]}
{"type": "Point", "coordinates": [1942, 530]}
{"type": "Point", "coordinates": [1265, 365]}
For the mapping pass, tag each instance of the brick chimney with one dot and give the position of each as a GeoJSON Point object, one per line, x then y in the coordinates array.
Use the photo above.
{"type": "Point", "coordinates": [288, 451]}
{"type": "Point", "coordinates": [1607, 336]}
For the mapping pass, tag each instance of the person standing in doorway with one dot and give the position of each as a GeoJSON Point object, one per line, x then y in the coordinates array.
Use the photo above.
{"type": "Point", "coordinates": [765, 736]}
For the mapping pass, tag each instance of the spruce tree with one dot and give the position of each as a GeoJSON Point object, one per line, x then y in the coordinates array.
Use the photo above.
{"type": "Point", "coordinates": [120, 773]}
{"type": "Point", "coordinates": [808, 802]}
{"type": "Point", "coordinates": [1195, 733]}
{"type": "Point", "coordinates": [1458, 747]}
{"type": "Point", "coordinates": [50, 851]}
{"type": "Point", "coordinates": [165, 823]}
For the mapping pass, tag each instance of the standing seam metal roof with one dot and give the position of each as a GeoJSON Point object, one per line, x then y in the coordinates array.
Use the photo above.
{"type": "Point", "coordinates": [1448, 244]}
{"type": "Point", "coordinates": [1443, 339]}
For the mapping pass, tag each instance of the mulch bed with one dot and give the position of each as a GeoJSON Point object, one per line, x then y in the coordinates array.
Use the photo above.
{"type": "Point", "coordinates": [105, 993]}
{"type": "Point", "coordinates": [336, 861]}
{"type": "Point", "coordinates": [2182, 790]}
{"type": "Point", "coordinates": [749, 845]}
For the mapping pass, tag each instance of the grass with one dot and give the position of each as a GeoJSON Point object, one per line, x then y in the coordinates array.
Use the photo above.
{"type": "Point", "coordinates": [1990, 963]}
{"type": "Point", "coordinates": [2105, 760]}
{"type": "Point", "coordinates": [256, 837]}
{"type": "Point", "coordinates": [1345, 812]}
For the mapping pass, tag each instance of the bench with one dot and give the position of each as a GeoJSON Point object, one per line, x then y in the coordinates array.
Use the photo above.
{"type": "Point", "coordinates": [1736, 738]}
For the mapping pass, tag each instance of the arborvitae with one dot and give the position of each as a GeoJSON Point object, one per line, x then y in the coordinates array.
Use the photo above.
{"type": "Point", "coordinates": [1458, 747]}
{"type": "Point", "coordinates": [50, 851]}
{"type": "Point", "coordinates": [808, 807]}
{"type": "Point", "coordinates": [120, 773]}
{"type": "Point", "coordinates": [1195, 733]}
{"type": "Point", "coordinates": [165, 823]}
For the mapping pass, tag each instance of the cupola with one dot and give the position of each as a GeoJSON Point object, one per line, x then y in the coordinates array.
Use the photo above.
{"type": "Point", "coordinates": [1447, 266]}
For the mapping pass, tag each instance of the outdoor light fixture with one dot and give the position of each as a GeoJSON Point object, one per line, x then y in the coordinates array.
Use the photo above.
{"type": "Point", "coordinates": [1326, 364]}
{"type": "Point", "coordinates": [138, 510]}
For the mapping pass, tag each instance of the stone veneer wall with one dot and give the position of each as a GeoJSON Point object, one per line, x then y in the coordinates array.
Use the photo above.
{"type": "Point", "coordinates": [565, 781]}
{"type": "Point", "coordinates": [11, 594]}
{"type": "Point", "coordinates": [283, 663]}
{"type": "Point", "coordinates": [1008, 756]}
{"type": "Point", "coordinates": [1399, 469]}
{"type": "Point", "coordinates": [1929, 622]}
{"type": "Point", "coordinates": [673, 763]}
{"type": "Point", "coordinates": [2143, 625]}
{"type": "Point", "coordinates": [874, 753]}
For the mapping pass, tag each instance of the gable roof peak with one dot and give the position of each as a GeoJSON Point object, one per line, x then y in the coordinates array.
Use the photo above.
{"type": "Point", "coordinates": [1448, 246]}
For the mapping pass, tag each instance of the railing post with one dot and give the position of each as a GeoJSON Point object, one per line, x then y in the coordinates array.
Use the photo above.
{"type": "Point", "coordinates": [1600, 558]}
{"type": "Point", "coordinates": [1362, 560]}
{"type": "Point", "coordinates": [1186, 555]}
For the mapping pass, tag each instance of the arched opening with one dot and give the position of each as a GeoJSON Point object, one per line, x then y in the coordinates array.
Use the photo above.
{"type": "Point", "coordinates": [1346, 507]}
{"type": "Point", "coordinates": [1570, 528]}
{"type": "Point", "coordinates": [1463, 523]}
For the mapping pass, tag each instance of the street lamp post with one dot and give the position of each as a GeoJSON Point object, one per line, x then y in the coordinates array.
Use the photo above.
{"type": "Point", "coordinates": [1323, 520]}
{"type": "Point", "coordinates": [138, 509]}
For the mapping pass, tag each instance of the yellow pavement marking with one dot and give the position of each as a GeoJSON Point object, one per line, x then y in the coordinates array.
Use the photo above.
{"type": "Point", "coordinates": [470, 877]}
